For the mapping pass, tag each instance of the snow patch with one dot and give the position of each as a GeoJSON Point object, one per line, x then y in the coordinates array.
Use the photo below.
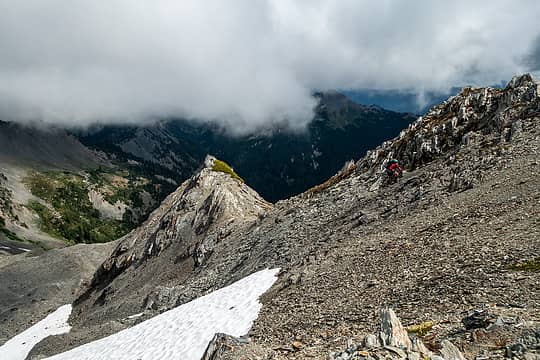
{"type": "Point", "coordinates": [18, 347]}
{"type": "Point", "coordinates": [184, 332]}
{"type": "Point", "coordinates": [135, 316]}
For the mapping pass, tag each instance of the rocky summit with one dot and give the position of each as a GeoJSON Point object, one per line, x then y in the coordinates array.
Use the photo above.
{"type": "Point", "coordinates": [452, 248]}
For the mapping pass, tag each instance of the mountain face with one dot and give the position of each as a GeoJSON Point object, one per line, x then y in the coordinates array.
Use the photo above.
{"type": "Point", "coordinates": [25, 151]}
{"type": "Point", "coordinates": [52, 148]}
{"type": "Point", "coordinates": [458, 236]}
{"type": "Point", "coordinates": [277, 164]}
{"type": "Point", "coordinates": [55, 191]}
{"type": "Point", "coordinates": [58, 189]}
{"type": "Point", "coordinates": [206, 210]}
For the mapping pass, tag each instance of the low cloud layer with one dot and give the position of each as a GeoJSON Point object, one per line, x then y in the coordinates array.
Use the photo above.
{"type": "Point", "coordinates": [245, 63]}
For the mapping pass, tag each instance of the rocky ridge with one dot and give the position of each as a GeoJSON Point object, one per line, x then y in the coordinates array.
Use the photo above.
{"type": "Point", "coordinates": [429, 248]}
{"type": "Point", "coordinates": [436, 245]}
{"type": "Point", "coordinates": [204, 211]}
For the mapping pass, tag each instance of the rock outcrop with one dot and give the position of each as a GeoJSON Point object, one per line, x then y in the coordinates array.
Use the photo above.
{"type": "Point", "coordinates": [178, 238]}
{"type": "Point", "coordinates": [395, 343]}
{"type": "Point", "coordinates": [220, 344]}
{"type": "Point", "coordinates": [476, 116]}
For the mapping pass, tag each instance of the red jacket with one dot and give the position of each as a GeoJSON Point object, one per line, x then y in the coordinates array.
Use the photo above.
{"type": "Point", "coordinates": [394, 166]}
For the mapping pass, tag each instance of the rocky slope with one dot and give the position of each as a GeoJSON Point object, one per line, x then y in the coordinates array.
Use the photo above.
{"type": "Point", "coordinates": [23, 148]}
{"type": "Point", "coordinates": [436, 245]}
{"type": "Point", "coordinates": [43, 148]}
{"type": "Point", "coordinates": [459, 232]}
{"type": "Point", "coordinates": [34, 286]}
{"type": "Point", "coordinates": [205, 211]}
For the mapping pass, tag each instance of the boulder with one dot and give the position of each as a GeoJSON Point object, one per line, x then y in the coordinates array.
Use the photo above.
{"type": "Point", "coordinates": [392, 332]}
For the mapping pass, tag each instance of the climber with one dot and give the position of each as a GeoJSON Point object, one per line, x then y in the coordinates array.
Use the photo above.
{"type": "Point", "coordinates": [393, 169]}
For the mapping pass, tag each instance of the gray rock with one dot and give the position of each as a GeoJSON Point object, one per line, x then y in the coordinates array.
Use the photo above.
{"type": "Point", "coordinates": [419, 347]}
{"type": "Point", "coordinates": [478, 319]}
{"type": "Point", "coordinates": [531, 356]}
{"type": "Point", "coordinates": [161, 298]}
{"type": "Point", "coordinates": [396, 351]}
{"type": "Point", "coordinates": [531, 339]}
{"type": "Point", "coordinates": [450, 352]}
{"type": "Point", "coordinates": [371, 341]}
{"type": "Point", "coordinates": [515, 350]}
{"type": "Point", "coordinates": [392, 332]}
{"type": "Point", "coordinates": [219, 344]}
{"type": "Point", "coordinates": [213, 349]}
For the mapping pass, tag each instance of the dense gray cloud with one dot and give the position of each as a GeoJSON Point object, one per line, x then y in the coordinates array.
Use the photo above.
{"type": "Point", "coordinates": [532, 59]}
{"type": "Point", "coordinates": [244, 62]}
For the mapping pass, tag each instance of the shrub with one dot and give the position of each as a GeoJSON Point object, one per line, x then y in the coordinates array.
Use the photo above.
{"type": "Point", "coordinates": [421, 329]}
{"type": "Point", "coordinates": [527, 265]}
{"type": "Point", "coordinates": [222, 166]}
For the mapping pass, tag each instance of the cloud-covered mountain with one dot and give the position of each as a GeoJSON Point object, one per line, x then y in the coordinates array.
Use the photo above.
{"type": "Point", "coordinates": [277, 163]}
{"type": "Point", "coordinates": [246, 64]}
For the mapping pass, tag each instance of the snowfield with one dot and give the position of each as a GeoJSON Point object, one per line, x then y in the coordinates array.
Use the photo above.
{"type": "Point", "coordinates": [183, 332]}
{"type": "Point", "coordinates": [18, 347]}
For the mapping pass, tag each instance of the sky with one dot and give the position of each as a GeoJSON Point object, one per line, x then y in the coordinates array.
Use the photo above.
{"type": "Point", "coordinates": [246, 63]}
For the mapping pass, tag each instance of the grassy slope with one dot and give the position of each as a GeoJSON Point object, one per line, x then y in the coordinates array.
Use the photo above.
{"type": "Point", "coordinates": [70, 215]}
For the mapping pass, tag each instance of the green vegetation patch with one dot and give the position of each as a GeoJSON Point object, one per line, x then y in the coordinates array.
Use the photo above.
{"type": "Point", "coordinates": [71, 215]}
{"type": "Point", "coordinates": [48, 222]}
{"type": "Point", "coordinates": [42, 186]}
{"type": "Point", "coordinates": [528, 265]}
{"type": "Point", "coordinates": [222, 166]}
{"type": "Point", "coordinates": [126, 195]}
{"type": "Point", "coordinates": [128, 186]}
{"type": "Point", "coordinates": [421, 329]}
